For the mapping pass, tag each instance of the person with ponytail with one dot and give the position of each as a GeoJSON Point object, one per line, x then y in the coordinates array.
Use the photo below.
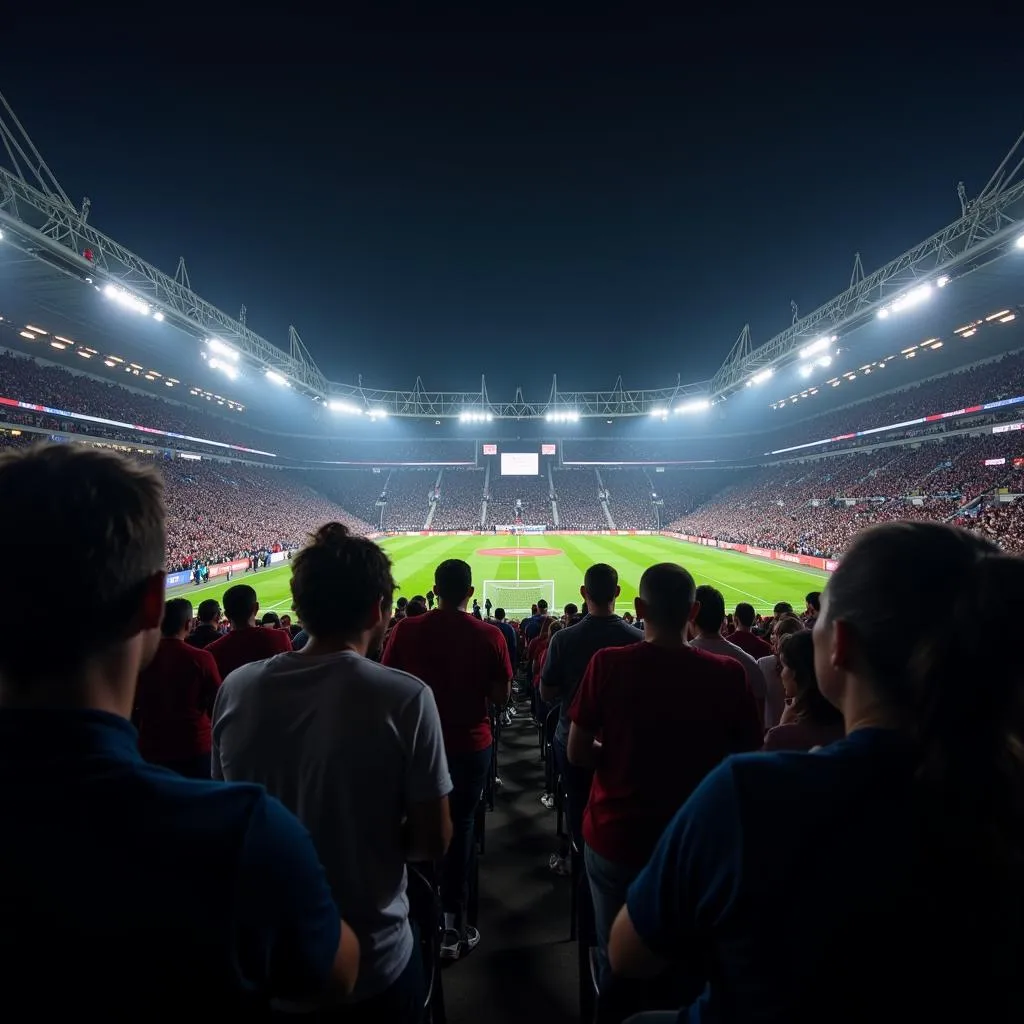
{"type": "Point", "coordinates": [880, 878]}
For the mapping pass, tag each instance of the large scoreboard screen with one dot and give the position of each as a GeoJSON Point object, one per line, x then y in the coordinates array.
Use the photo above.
{"type": "Point", "coordinates": [520, 464]}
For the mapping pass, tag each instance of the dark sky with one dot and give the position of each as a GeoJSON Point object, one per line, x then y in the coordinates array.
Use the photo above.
{"type": "Point", "coordinates": [574, 199]}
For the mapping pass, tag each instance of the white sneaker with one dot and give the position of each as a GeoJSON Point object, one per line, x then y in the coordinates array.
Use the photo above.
{"type": "Point", "coordinates": [471, 939]}
{"type": "Point", "coordinates": [548, 800]}
{"type": "Point", "coordinates": [451, 945]}
{"type": "Point", "coordinates": [559, 865]}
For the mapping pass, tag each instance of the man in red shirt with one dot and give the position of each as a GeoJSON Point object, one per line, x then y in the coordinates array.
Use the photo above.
{"type": "Point", "coordinates": [246, 642]}
{"type": "Point", "coordinates": [465, 662]}
{"type": "Point", "coordinates": [652, 719]}
{"type": "Point", "coordinates": [174, 699]}
{"type": "Point", "coordinates": [742, 637]}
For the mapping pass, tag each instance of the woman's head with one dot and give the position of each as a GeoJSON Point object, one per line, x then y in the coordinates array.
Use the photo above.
{"type": "Point", "coordinates": [786, 626]}
{"type": "Point", "coordinates": [905, 638]}
{"type": "Point", "coordinates": [796, 657]}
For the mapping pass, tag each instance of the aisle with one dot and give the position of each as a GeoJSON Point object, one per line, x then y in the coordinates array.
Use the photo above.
{"type": "Point", "coordinates": [524, 970]}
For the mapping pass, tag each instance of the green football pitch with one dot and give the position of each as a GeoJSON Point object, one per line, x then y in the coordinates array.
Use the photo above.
{"type": "Point", "coordinates": [563, 559]}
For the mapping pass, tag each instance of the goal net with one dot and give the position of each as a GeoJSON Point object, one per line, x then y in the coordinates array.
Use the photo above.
{"type": "Point", "coordinates": [517, 597]}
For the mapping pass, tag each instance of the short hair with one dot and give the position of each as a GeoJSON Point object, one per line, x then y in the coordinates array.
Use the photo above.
{"type": "Point", "coordinates": [499, 613]}
{"type": "Point", "coordinates": [668, 591]}
{"type": "Point", "coordinates": [453, 580]}
{"type": "Point", "coordinates": [600, 582]}
{"type": "Point", "coordinates": [240, 603]}
{"type": "Point", "coordinates": [401, 603]}
{"type": "Point", "coordinates": [745, 614]}
{"type": "Point", "coordinates": [542, 606]}
{"type": "Point", "coordinates": [571, 610]}
{"type": "Point", "coordinates": [711, 613]}
{"type": "Point", "coordinates": [814, 600]}
{"type": "Point", "coordinates": [177, 615]}
{"type": "Point", "coordinates": [782, 608]}
{"type": "Point", "coordinates": [92, 519]}
{"type": "Point", "coordinates": [209, 610]}
{"type": "Point", "coordinates": [271, 619]}
{"type": "Point", "coordinates": [336, 578]}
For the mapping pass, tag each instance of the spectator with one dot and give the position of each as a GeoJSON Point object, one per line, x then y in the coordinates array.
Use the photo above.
{"type": "Point", "coordinates": [707, 629]}
{"type": "Point", "coordinates": [568, 657]}
{"type": "Point", "coordinates": [370, 781]}
{"type": "Point", "coordinates": [913, 819]}
{"type": "Point", "coordinates": [809, 720]}
{"type": "Point", "coordinates": [174, 699]}
{"type": "Point", "coordinates": [465, 662]}
{"type": "Point", "coordinates": [813, 601]}
{"type": "Point", "coordinates": [507, 632]}
{"type": "Point", "coordinates": [652, 719]}
{"type": "Point", "coordinates": [208, 627]}
{"type": "Point", "coordinates": [246, 642]}
{"type": "Point", "coordinates": [771, 669]}
{"type": "Point", "coordinates": [164, 893]}
{"type": "Point", "coordinates": [742, 637]}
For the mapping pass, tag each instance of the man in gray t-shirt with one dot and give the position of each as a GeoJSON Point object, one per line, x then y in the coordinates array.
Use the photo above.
{"type": "Point", "coordinates": [354, 749]}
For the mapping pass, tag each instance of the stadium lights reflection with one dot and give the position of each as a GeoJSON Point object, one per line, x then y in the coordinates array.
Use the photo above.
{"type": "Point", "coordinates": [660, 413]}
{"type": "Point", "coordinates": [693, 405]}
{"type": "Point", "coordinates": [338, 405]}
{"type": "Point", "coordinates": [377, 414]}
{"type": "Point", "coordinates": [909, 300]}
{"type": "Point", "coordinates": [126, 300]}
{"type": "Point", "coordinates": [475, 417]}
{"type": "Point", "coordinates": [218, 346]}
{"type": "Point", "coordinates": [565, 416]}
{"type": "Point", "coordinates": [1020, 242]}
{"type": "Point", "coordinates": [817, 346]}
{"type": "Point", "coordinates": [761, 376]}
{"type": "Point", "coordinates": [276, 378]}
{"type": "Point", "coordinates": [226, 368]}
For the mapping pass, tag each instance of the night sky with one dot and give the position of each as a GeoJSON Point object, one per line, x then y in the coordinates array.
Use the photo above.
{"type": "Point", "coordinates": [572, 199]}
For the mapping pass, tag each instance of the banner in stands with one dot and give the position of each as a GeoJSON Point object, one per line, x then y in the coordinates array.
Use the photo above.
{"type": "Point", "coordinates": [277, 556]}
{"type": "Point", "coordinates": [811, 561]}
{"type": "Point", "coordinates": [178, 579]}
{"type": "Point", "coordinates": [223, 568]}
{"type": "Point", "coordinates": [520, 529]}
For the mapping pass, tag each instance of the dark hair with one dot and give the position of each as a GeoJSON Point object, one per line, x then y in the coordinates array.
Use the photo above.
{"type": "Point", "coordinates": [208, 611]}
{"type": "Point", "coordinates": [401, 603]}
{"type": "Point", "coordinates": [745, 614]}
{"type": "Point", "coordinates": [814, 600]}
{"type": "Point", "coordinates": [336, 579]}
{"type": "Point", "coordinates": [542, 606]}
{"type": "Point", "coordinates": [417, 606]}
{"type": "Point", "coordinates": [499, 613]}
{"type": "Point", "coordinates": [271, 619]}
{"type": "Point", "coordinates": [92, 519]}
{"type": "Point", "coordinates": [912, 595]}
{"type": "Point", "coordinates": [452, 581]}
{"type": "Point", "coordinates": [570, 610]}
{"type": "Point", "coordinates": [782, 608]}
{"type": "Point", "coordinates": [600, 582]}
{"type": "Point", "coordinates": [711, 613]}
{"type": "Point", "coordinates": [177, 615]}
{"type": "Point", "coordinates": [787, 625]}
{"type": "Point", "coordinates": [240, 603]}
{"type": "Point", "coordinates": [796, 652]}
{"type": "Point", "coordinates": [668, 591]}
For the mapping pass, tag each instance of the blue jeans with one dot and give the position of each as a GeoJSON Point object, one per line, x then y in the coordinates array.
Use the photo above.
{"type": "Point", "coordinates": [609, 883]}
{"type": "Point", "coordinates": [469, 775]}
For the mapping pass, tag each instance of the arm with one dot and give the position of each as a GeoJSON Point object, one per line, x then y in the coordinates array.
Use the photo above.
{"type": "Point", "coordinates": [585, 715]}
{"type": "Point", "coordinates": [501, 684]}
{"type": "Point", "coordinates": [216, 717]}
{"type": "Point", "coordinates": [551, 676]}
{"type": "Point", "coordinates": [582, 747]}
{"type": "Point", "coordinates": [428, 823]}
{"type": "Point", "coordinates": [292, 944]}
{"type": "Point", "coordinates": [210, 684]}
{"type": "Point", "coordinates": [691, 880]}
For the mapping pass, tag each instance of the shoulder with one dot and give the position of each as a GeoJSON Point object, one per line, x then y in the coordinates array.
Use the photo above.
{"type": "Point", "coordinates": [244, 676]}
{"type": "Point", "coordinates": [395, 680]}
{"type": "Point", "coordinates": [199, 656]}
{"type": "Point", "coordinates": [614, 656]}
{"type": "Point", "coordinates": [723, 666]}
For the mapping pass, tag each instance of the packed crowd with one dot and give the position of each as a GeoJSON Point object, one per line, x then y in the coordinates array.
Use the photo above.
{"type": "Point", "coordinates": [519, 499]}
{"type": "Point", "coordinates": [629, 498]}
{"type": "Point", "coordinates": [251, 844]}
{"type": "Point", "coordinates": [578, 496]}
{"type": "Point", "coordinates": [459, 500]}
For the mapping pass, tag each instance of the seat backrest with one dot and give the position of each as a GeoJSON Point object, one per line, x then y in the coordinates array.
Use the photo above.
{"type": "Point", "coordinates": [425, 914]}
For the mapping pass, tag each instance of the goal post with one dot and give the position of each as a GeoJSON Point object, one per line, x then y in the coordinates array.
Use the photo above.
{"type": "Point", "coordinates": [517, 597]}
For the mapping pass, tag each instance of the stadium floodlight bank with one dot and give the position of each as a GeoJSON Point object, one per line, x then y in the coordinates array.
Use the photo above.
{"type": "Point", "coordinates": [518, 597]}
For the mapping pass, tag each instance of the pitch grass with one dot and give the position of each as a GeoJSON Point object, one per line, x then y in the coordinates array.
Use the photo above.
{"type": "Point", "coordinates": [739, 577]}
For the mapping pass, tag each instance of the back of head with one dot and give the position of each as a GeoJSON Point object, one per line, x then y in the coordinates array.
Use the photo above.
{"type": "Point", "coordinates": [453, 581]}
{"type": "Point", "coordinates": [92, 520]}
{"type": "Point", "coordinates": [177, 616]}
{"type": "Point", "coordinates": [782, 608]}
{"type": "Point", "coordinates": [667, 591]}
{"type": "Point", "coordinates": [711, 614]}
{"type": "Point", "coordinates": [918, 604]}
{"type": "Point", "coordinates": [271, 619]}
{"type": "Point", "coordinates": [542, 607]}
{"type": "Point", "coordinates": [208, 611]}
{"type": "Point", "coordinates": [499, 614]}
{"type": "Point", "coordinates": [745, 614]}
{"type": "Point", "coordinates": [240, 604]}
{"type": "Point", "coordinates": [601, 582]}
{"type": "Point", "coordinates": [341, 583]}
{"type": "Point", "coordinates": [813, 600]}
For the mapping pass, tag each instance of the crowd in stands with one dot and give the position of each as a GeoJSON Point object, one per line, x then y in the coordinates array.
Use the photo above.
{"type": "Point", "coordinates": [629, 498]}
{"type": "Point", "coordinates": [459, 500]}
{"type": "Point", "coordinates": [812, 825]}
{"type": "Point", "coordinates": [579, 503]}
{"type": "Point", "coordinates": [519, 499]}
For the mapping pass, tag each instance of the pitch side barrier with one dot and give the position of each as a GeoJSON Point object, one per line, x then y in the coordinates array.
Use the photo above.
{"type": "Point", "coordinates": [811, 561]}
{"type": "Point", "coordinates": [179, 579]}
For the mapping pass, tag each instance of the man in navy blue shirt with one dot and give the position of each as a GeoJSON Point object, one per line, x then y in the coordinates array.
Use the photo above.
{"type": "Point", "coordinates": [129, 891]}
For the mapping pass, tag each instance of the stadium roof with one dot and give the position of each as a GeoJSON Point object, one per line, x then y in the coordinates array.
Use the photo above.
{"type": "Point", "coordinates": [51, 255]}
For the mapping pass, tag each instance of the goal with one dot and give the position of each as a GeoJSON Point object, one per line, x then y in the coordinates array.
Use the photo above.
{"type": "Point", "coordinates": [518, 596]}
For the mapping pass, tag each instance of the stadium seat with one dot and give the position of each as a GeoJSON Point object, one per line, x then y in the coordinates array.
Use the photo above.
{"type": "Point", "coordinates": [428, 922]}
